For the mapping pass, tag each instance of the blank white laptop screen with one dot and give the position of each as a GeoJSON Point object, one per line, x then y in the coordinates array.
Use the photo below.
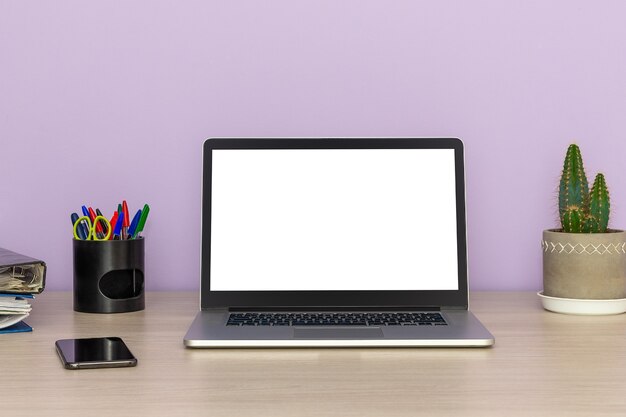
{"type": "Point", "coordinates": [333, 220]}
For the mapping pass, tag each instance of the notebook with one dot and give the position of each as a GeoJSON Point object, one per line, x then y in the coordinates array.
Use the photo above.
{"type": "Point", "coordinates": [334, 243]}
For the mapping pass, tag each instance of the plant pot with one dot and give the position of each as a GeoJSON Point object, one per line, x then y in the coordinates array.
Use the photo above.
{"type": "Point", "coordinates": [584, 265]}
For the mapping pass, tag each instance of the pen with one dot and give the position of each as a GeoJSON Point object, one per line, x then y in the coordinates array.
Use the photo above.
{"type": "Point", "coordinates": [118, 228]}
{"type": "Point", "coordinates": [98, 227]}
{"type": "Point", "coordinates": [133, 225]}
{"type": "Point", "coordinates": [142, 220]}
{"type": "Point", "coordinates": [113, 224]}
{"type": "Point", "coordinates": [104, 227]}
{"type": "Point", "coordinates": [80, 229]}
{"type": "Point", "coordinates": [84, 223]}
{"type": "Point", "coordinates": [126, 220]}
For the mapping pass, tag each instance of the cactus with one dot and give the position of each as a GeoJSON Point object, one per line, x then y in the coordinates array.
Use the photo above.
{"type": "Point", "coordinates": [574, 187]}
{"type": "Point", "coordinates": [581, 211]}
{"type": "Point", "coordinates": [599, 206]}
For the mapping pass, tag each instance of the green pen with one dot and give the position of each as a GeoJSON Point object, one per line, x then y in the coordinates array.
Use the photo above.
{"type": "Point", "coordinates": [142, 220]}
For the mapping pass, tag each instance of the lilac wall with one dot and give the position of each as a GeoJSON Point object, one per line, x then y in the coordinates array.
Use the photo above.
{"type": "Point", "coordinates": [106, 100]}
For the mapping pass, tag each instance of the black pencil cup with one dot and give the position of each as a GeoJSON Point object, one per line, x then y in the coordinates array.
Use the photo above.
{"type": "Point", "coordinates": [108, 276]}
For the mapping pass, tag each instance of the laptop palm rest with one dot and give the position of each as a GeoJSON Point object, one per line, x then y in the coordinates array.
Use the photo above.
{"type": "Point", "coordinates": [353, 333]}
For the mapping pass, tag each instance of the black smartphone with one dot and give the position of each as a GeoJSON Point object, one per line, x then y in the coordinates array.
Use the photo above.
{"type": "Point", "coordinates": [99, 352]}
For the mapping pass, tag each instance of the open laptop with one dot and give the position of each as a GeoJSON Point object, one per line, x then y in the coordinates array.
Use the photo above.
{"type": "Point", "coordinates": [334, 243]}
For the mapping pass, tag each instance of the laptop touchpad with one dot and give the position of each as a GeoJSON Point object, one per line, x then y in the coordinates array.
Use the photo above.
{"type": "Point", "coordinates": [334, 333]}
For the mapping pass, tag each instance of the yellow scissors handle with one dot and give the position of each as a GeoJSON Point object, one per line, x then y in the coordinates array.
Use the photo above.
{"type": "Point", "coordinates": [95, 225]}
{"type": "Point", "coordinates": [91, 228]}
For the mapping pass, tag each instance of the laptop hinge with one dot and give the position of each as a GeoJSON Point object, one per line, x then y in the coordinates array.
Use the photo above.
{"type": "Point", "coordinates": [342, 308]}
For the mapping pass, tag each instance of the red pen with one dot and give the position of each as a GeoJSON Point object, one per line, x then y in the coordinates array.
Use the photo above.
{"type": "Point", "coordinates": [125, 219]}
{"type": "Point", "coordinates": [104, 226]}
{"type": "Point", "coordinates": [92, 216]}
{"type": "Point", "coordinates": [113, 223]}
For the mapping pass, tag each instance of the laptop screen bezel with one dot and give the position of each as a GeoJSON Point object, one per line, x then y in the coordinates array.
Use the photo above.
{"type": "Point", "coordinates": [334, 299]}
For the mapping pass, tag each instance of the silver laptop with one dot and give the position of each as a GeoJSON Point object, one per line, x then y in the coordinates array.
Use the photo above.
{"type": "Point", "coordinates": [334, 243]}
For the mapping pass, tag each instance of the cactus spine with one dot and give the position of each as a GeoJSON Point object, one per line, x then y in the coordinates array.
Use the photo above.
{"type": "Point", "coordinates": [580, 210]}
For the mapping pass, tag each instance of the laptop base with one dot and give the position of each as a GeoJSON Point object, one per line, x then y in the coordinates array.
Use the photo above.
{"type": "Point", "coordinates": [209, 330]}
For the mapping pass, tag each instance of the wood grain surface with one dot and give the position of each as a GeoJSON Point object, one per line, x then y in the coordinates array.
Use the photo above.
{"type": "Point", "coordinates": [543, 364]}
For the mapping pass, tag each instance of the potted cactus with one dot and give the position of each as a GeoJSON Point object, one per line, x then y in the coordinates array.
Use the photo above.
{"type": "Point", "coordinates": [584, 259]}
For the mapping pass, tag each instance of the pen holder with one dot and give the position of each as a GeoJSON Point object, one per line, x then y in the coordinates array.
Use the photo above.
{"type": "Point", "coordinates": [108, 275]}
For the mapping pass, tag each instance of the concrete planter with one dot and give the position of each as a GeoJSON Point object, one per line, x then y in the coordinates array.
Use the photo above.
{"type": "Point", "coordinates": [584, 265]}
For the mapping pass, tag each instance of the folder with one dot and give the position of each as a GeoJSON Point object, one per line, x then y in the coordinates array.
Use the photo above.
{"type": "Point", "coordinates": [20, 274]}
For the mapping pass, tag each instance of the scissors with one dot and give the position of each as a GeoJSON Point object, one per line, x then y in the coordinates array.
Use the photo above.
{"type": "Point", "coordinates": [92, 233]}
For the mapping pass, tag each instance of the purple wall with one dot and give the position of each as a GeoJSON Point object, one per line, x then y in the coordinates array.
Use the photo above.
{"type": "Point", "coordinates": [106, 100]}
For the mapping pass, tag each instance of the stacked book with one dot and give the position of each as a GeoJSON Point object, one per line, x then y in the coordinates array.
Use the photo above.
{"type": "Point", "coordinates": [21, 277]}
{"type": "Point", "coordinates": [13, 310]}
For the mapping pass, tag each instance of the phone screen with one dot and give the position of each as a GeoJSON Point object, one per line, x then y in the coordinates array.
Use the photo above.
{"type": "Point", "coordinates": [101, 352]}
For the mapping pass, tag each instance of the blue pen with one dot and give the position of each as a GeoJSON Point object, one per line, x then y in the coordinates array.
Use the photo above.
{"type": "Point", "coordinates": [118, 228]}
{"type": "Point", "coordinates": [84, 224]}
{"type": "Point", "coordinates": [79, 229]}
{"type": "Point", "coordinates": [133, 225]}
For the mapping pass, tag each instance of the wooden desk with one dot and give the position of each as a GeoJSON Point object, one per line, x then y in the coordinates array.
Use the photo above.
{"type": "Point", "coordinates": [543, 364]}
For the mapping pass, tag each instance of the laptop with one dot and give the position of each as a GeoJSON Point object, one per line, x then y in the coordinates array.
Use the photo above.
{"type": "Point", "coordinates": [334, 243]}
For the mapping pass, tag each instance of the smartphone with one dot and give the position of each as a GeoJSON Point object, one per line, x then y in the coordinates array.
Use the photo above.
{"type": "Point", "coordinates": [100, 352]}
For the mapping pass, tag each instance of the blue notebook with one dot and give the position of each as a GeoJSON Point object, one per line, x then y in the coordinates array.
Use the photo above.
{"type": "Point", "coordinates": [17, 328]}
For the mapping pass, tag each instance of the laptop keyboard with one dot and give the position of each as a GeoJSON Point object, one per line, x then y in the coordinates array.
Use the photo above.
{"type": "Point", "coordinates": [336, 319]}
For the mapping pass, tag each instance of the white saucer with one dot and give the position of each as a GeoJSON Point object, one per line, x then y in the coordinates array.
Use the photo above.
{"type": "Point", "coordinates": [585, 307]}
